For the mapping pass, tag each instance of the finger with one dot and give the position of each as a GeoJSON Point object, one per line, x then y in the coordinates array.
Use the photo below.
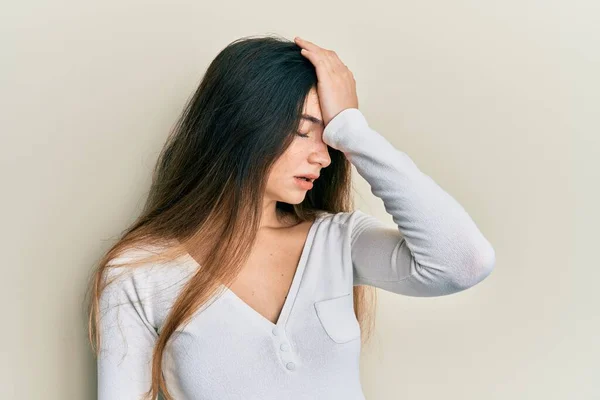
{"type": "Point", "coordinates": [308, 45]}
{"type": "Point", "coordinates": [320, 64]}
{"type": "Point", "coordinates": [324, 64]}
{"type": "Point", "coordinates": [331, 60]}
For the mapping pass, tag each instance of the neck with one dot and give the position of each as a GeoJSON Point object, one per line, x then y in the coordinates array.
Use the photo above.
{"type": "Point", "coordinates": [274, 219]}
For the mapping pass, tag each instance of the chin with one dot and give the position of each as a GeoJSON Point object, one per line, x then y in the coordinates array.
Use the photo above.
{"type": "Point", "coordinates": [293, 199]}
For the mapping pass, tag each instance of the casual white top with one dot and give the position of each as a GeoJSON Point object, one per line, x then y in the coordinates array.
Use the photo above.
{"type": "Point", "coordinates": [229, 351]}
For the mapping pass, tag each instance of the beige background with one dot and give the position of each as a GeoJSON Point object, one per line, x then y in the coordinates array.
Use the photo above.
{"type": "Point", "coordinates": [497, 101]}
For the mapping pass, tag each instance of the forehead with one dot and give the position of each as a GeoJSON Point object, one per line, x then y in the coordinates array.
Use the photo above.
{"type": "Point", "coordinates": [312, 105]}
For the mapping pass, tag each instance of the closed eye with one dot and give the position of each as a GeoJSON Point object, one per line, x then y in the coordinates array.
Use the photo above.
{"type": "Point", "coordinates": [304, 135]}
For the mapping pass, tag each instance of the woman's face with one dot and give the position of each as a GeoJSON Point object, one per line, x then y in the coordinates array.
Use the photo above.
{"type": "Point", "coordinates": [305, 156]}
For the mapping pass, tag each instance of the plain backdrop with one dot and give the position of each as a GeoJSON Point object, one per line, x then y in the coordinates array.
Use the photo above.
{"type": "Point", "coordinates": [496, 101]}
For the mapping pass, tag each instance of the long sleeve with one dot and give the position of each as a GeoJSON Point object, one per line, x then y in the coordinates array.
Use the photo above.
{"type": "Point", "coordinates": [127, 340]}
{"type": "Point", "coordinates": [437, 249]}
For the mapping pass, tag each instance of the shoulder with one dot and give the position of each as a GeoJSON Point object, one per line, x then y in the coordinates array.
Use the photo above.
{"type": "Point", "coordinates": [136, 266]}
{"type": "Point", "coordinates": [151, 287]}
{"type": "Point", "coordinates": [359, 224]}
{"type": "Point", "coordinates": [350, 219]}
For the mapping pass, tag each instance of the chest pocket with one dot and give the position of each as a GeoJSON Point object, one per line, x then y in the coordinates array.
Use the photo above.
{"type": "Point", "coordinates": [338, 319]}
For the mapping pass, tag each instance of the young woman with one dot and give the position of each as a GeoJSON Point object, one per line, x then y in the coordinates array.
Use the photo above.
{"type": "Point", "coordinates": [249, 275]}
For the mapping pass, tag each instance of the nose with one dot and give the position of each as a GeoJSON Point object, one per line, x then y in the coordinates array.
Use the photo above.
{"type": "Point", "coordinates": [321, 155]}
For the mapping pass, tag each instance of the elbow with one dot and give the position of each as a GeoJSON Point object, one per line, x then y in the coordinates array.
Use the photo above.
{"type": "Point", "coordinates": [486, 262]}
{"type": "Point", "coordinates": [477, 267]}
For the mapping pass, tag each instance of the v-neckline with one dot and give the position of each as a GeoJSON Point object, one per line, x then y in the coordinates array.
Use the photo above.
{"type": "Point", "coordinates": [292, 292]}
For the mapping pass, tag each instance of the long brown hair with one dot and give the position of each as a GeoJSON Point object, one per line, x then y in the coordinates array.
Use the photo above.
{"type": "Point", "coordinates": [207, 187]}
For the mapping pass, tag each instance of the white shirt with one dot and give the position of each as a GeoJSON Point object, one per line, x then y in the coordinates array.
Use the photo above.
{"type": "Point", "coordinates": [229, 351]}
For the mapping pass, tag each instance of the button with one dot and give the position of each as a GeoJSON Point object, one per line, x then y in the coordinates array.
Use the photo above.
{"type": "Point", "coordinates": [290, 366]}
{"type": "Point", "coordinates": [284, 347]}
{"type": "Point", "coordinates": [276, 331]}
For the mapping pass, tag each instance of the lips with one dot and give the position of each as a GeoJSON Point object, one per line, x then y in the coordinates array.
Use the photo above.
{"type": "Point", "coordinates": [304, 184]}
{"type": "Point", "coordinates": [308, 177]}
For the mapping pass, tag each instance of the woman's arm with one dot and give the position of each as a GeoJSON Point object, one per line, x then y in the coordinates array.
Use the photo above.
{"type": "Point", "coordinates": [436, 249]}
{"type": "Point", "coordinates": [127, 340]}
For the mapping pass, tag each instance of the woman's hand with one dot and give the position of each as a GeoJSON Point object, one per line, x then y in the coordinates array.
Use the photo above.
{"type": "Point", "coordinates": [336, 86]}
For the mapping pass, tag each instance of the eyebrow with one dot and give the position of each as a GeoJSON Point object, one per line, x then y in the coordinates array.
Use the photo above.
{"type": "Point", "coordinates": [312, 119]}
